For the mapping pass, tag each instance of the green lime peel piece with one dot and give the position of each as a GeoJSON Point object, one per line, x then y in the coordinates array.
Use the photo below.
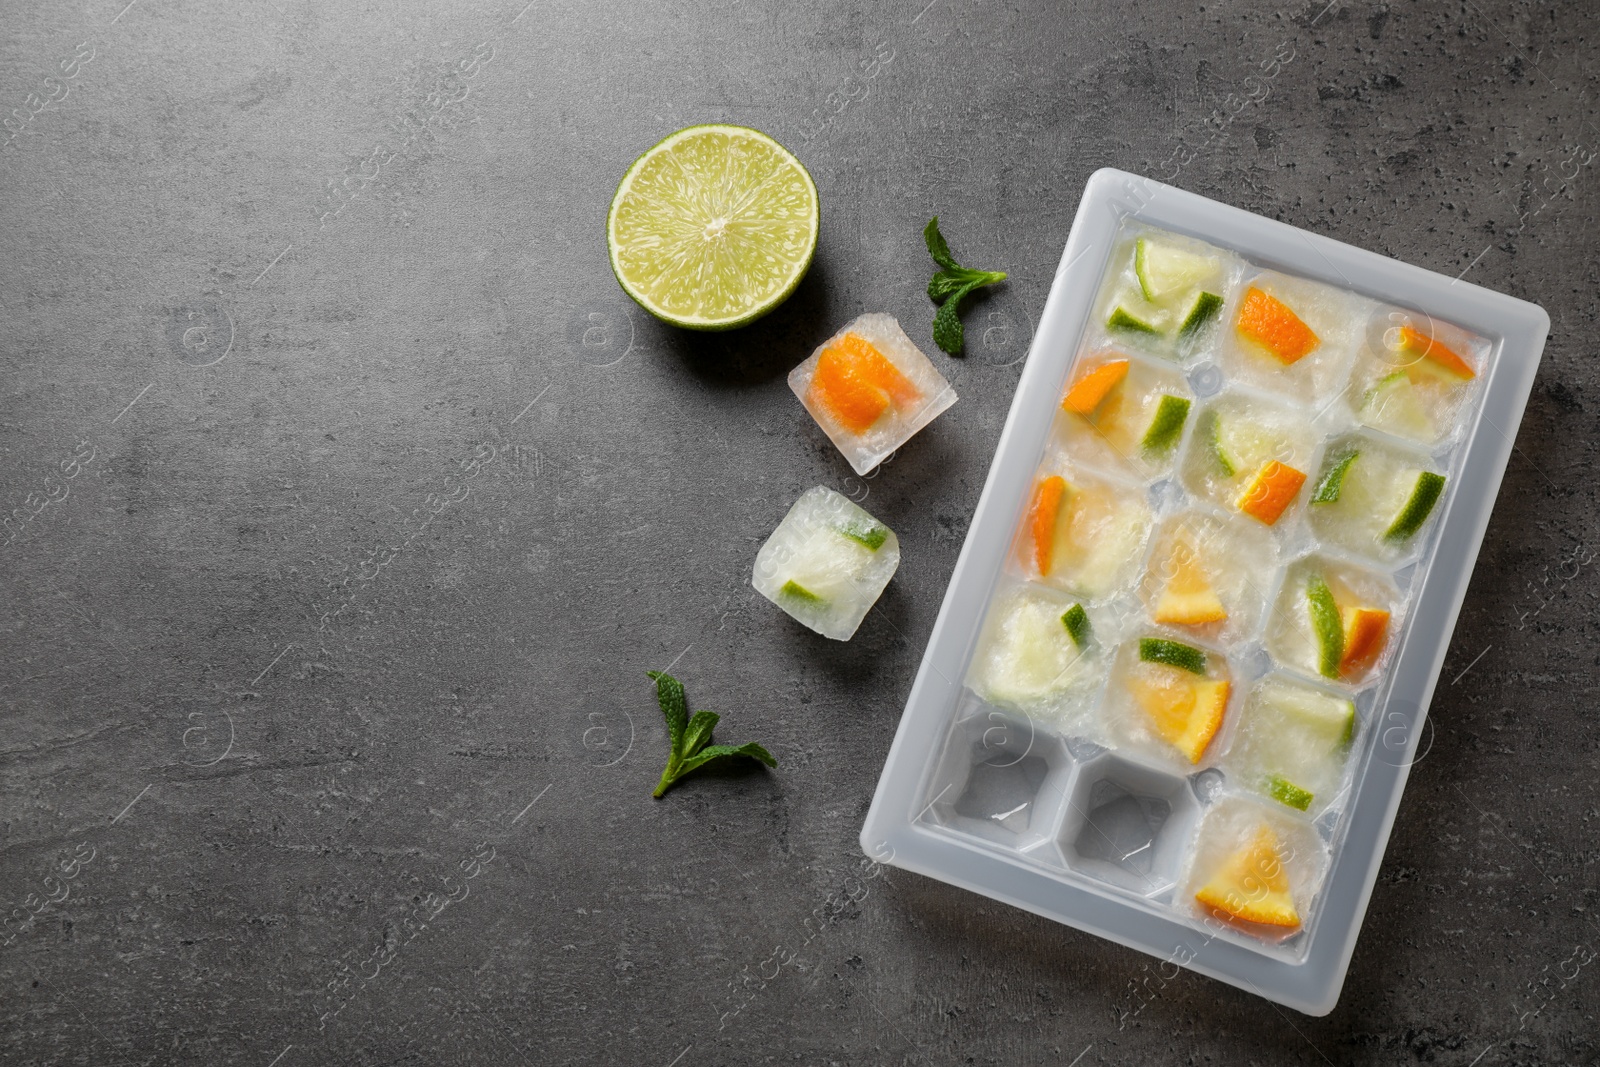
{"type": "Point", "coordinates": [1332, 482]}
{"type": "Point", "coordinates": [1076, 620]}
{"type": "Point", "coordinates": [795, 591]}
{"type": "Point", "coordinates": [1225, 462]}
{"type": "Point", "coordinates": [1123, 319]}
{"type": "Point", "coordinates": [1423, 497]}
{"type": "Point", "coordinates": [1284, 791]}
{"type": "Point", "coordinates": [1203, 310]}
{"type": "Point", "coordinates": [1172, 654]}
{"type": "Point", "coordinates": [1167, 425]}
{"type": "Point", "coordinates": [1325, 625]}
{"type": "Point", "coordinates": [864, 532]}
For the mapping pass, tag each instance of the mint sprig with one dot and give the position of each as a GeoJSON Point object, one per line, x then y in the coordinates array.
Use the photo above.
{"type": "Point", "coordinates": [949, 286]}
{"type": "Point", "coordinates": [691, 747]}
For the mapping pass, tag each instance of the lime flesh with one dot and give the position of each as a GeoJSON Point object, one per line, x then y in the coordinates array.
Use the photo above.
{"type": "Point", "coordinates": [713, 227]}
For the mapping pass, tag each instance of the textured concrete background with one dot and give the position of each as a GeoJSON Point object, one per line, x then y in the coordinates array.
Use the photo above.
{"type": "Point", "coordinates": [350, 501]}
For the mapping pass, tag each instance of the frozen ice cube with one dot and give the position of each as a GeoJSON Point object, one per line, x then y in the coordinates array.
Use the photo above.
{"type": "Point", "coordinates": [1210, 575]}
{"type": "Point", "coordinates": [1167, 697]}
{"type": "Point", "coordinates": [870, 389]}
{"type": "Point", "coordinates": [1126, 412]}
{"type": "Point", "coordinates": [1082, 534]}
{"type": "Point", "coordinates": [1414, 374]}
{"type": "Point", "coordinates": [1254, 870]}
{"type": "Point", "coordinates": [1166, 294]}
{"type": "Point", "coordinates": [1333, 620]}
{"type": "Point", "coordinates": [1029, 660]}
{"type": "Point", "coordinates": [1236, 440]}
{"type": "Point", "coordinates": [827, 563]}
{"type": "Point", "coordinates": [1293, 336]}
{"type": "Point", "coordinates": [1373, 499]}
{"type": "Point", "coordinates": [1292, 743]}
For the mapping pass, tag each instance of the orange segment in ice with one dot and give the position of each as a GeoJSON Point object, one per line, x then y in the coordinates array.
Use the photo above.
{"type": "Point", "coordinates": [1188, 599]}
{"type": "Point", "coordinates": [1271, 491]}
{"type": "Point", "coordinates": [1185, 711]}
{"type": "Point", "coordinates": [1087, 392]}
{"type": "Point", "coordinates": [1269, 322]}
{"type": "Point", "coordinates": [1252, 884]}
{"type": "Point", "coordinates": [1042, 519]}
{"type": "Point", "coordinates": [1363, 636]}
{"type": "Point", "coordinates": [857, 383]}
{"type": "Point", "coordinates": [1441, 356]}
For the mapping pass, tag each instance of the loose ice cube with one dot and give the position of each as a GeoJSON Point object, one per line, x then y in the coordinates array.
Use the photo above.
{"type": "Point", "coordinates": [1125, 412]}
{"type": "Point", "coordinates": [1255, 870]}
{"type": "Point", "coordinates": [1293, 743]}
{"type": "Point", "coordinates": [1039, 654]}
{"type": "Point", "coordinates": [1414, 375]}
{"type": "Point", "coordinates": [1167, 697]}
{"type": "Point", "coordinates": [1332, 620]}
{"type": "Point", "coordinates": [1083, 535]}
{"type": "Point", "coordinates": [1294, 337]}
{"type": "Point", "coordinates": [1373, 499]}
{"type": "Point", "coordinates": [870, 389]}
{"type": "Point", "coordinates": [1249, 455]}
{"type": "Point", "coordinates": [827, 563]}
{"type": "Point", "coordinates": [1209, 575]}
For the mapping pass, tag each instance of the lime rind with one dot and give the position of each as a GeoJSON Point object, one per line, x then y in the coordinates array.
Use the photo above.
{"type": "Point", "coordinates": [1203, 309]}
{"type": "Point", "coordinates": [1166, 425]}
{"type": "Point", "coordinates": [1286, 792]}
{"type": "Point", "coordinates": [1424, 495]}
{"type": "Point", "coordinates": [1076, 620]}
{"type": "Point", "coordinates": [1172, 654]}
{"type": "Point", "coordinates": [1332, 482]}
{"type": "Point", "coordinates": [795, 591]}
{"type": "Point", "coordinates": [1225, 462]}
{"type": "Point", "coordinates": [1123, 319]}
{"type": "Point", "coordinates": [1326, 626]}
{"type": "Point", "coordinates": [713, 247]}
{"type": "Point", "coordinates": [870, 535]}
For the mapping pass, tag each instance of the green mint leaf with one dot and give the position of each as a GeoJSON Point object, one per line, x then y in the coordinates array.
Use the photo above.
{"type": "Point", "coordinates": [699, 733]}
{"type": "Point", "coordinates": [937, 248]}
{"type": "Point", "coordinates": [947, 283]}
{"type": "Point", "coordinates": [947, 331]}
{"type": "Point", "coordinates": [669, 694]}
{"type": "Point", "coordinates": [751, 749]}
{"type": "Point", "coordinates": [691, 747]}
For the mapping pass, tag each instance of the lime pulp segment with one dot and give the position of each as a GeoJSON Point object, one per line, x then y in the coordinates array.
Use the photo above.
{"type": "Point", "coordinates": [713, 227]}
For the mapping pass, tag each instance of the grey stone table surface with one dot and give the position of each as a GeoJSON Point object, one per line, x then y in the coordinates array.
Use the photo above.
{"type": "Point", "coordinates": [350, 499]}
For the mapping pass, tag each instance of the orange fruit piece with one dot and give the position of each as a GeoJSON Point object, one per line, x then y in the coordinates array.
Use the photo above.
{"type": "Point", "coordinates": [1363, 636]}
{"type": "Point", "coordinates": [1442, 356]}
{"type": "Point", "coordinates": [1188, 599]}
{"type": "Point", "coordinates": [1270, 323]}
{"type": "Point", "coordinates": [1186, 711]}
{"type": "Point", "coordinates": [1042, 518]}
{"type": "Point", "coordinates": [857, 383]}
{"type": "Point", "coordinates": [1252, 884]}
{"type": "Point", "coordinates": [1271, 491]}
{"type": "Point", "coordinates": [1087, 392]}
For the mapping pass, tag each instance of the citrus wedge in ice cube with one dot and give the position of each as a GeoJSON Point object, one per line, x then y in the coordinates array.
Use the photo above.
{"type": "Point", "coordinates": [713, 227]}
{"type": "Point", "coordinates": [1252, 884]}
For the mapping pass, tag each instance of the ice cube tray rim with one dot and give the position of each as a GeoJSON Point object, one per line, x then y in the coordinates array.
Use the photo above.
{"type": "Point", "coordinates": [1516, 331]}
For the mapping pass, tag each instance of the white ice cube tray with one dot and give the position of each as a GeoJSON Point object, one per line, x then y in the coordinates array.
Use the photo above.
{"type": "Point", "coordinates": [995, 800]}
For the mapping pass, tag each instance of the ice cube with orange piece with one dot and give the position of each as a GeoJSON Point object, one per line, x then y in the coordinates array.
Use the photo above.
{"type": "Point", "coordinates": [1126, 412]}
{"type": "Point", "coordinates": [1083, 534]}
{"type": "Point", "coordinates": [1208, 574]}
{"type": "Point", "coordinates": [870, 388]}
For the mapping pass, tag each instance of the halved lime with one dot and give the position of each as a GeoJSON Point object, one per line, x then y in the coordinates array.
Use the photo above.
{"type": "Point", "coordinates": [713, 227]}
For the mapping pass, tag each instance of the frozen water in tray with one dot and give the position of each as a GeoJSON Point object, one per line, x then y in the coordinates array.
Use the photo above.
{"type": "Point", "coordinates": [1414, 375]}
{"type": "Point", "coordinates": [1373, 499]}
{"type": "Point", "coordinates": [1126, 412]}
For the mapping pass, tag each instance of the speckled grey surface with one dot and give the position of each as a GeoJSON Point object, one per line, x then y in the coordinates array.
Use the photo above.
{"type": "Point", "coordinates": [350, 500]}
